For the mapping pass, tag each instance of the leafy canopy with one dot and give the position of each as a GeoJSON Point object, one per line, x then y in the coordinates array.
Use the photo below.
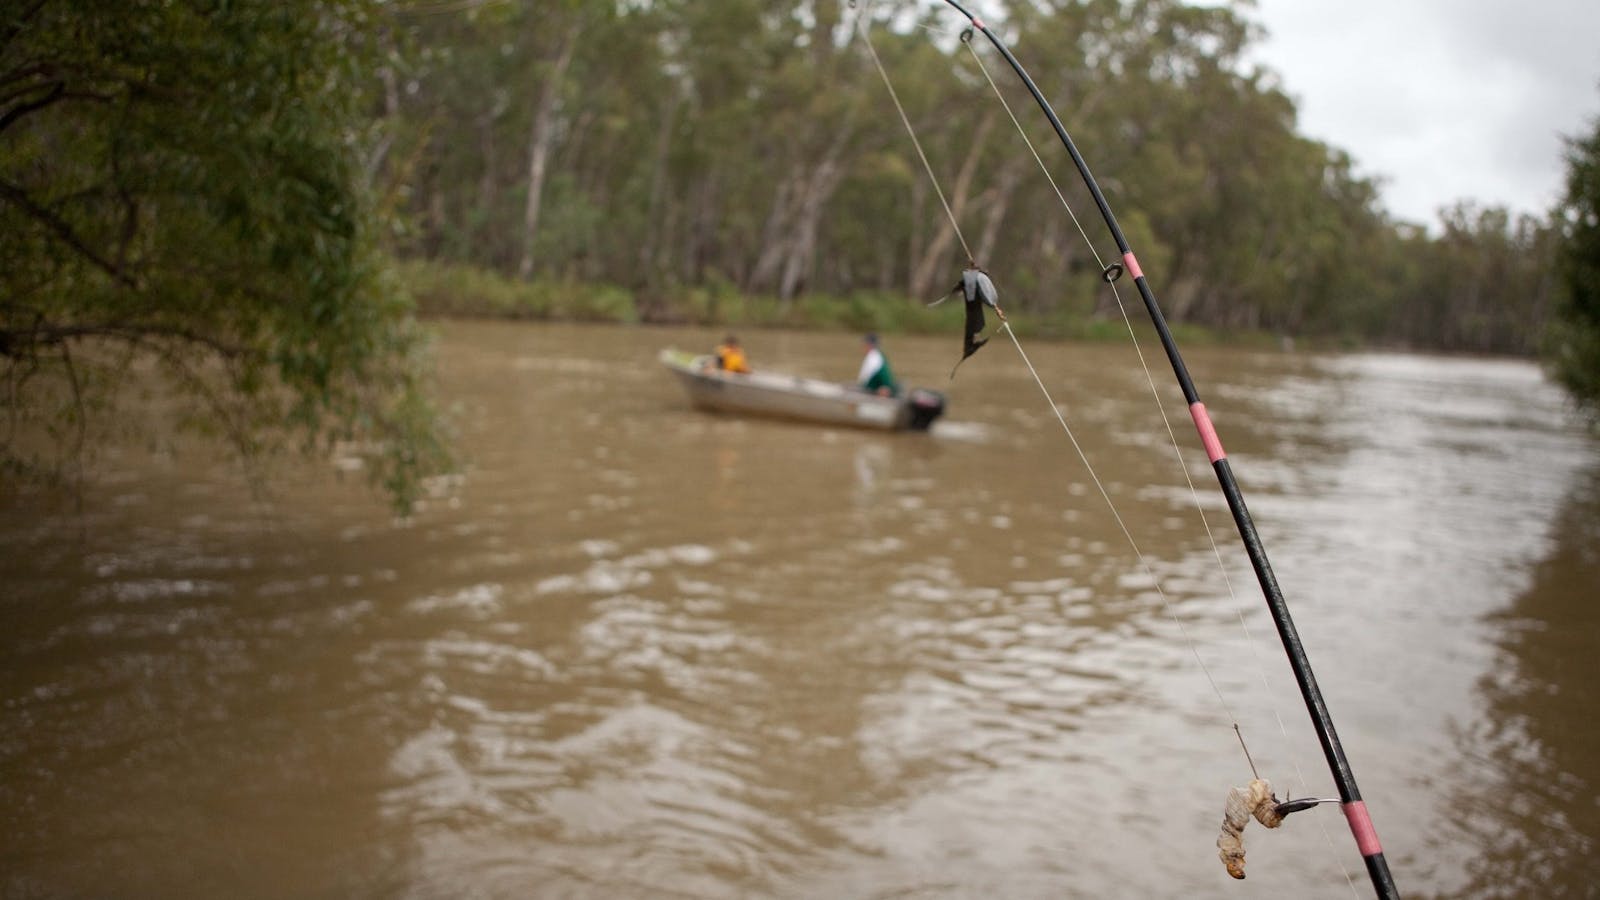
{"type": "Point", "coordinates": [1575, 338]}
{"type": "Point", "coordinates": [181, 189]}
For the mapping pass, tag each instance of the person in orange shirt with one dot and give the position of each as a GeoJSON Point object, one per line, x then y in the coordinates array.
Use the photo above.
{"type": "Point", "coordinates": [730, 356]}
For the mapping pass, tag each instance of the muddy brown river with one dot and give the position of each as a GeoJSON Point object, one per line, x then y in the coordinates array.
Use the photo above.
{"type": "Point", "coordinates": [636, 650]}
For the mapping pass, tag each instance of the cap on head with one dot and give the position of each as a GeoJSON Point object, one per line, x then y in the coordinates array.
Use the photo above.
{"type": "Point", "coordinates": [871, 338]}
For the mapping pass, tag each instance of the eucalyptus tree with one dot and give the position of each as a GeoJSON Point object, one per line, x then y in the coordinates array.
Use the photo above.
{"type": "Point", "coordinates": [182, 191]}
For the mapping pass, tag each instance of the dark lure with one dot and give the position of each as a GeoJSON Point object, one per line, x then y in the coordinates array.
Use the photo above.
{"type": "Point", "coordinates": [978, 291]}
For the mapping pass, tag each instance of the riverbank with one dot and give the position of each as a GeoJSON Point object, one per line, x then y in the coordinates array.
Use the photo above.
{"type": "Point", "coordinates": [452, 291]}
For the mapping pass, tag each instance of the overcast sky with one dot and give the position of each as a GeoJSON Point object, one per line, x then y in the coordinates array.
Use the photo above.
{"type": "Point", "coordinates": [1441, 99]}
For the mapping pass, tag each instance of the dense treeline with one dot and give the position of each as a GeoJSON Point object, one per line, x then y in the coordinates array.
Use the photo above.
{"type": "Point", "coordinates": [749, 147]}
{"type": "Point", "coordinates": [211, 196]}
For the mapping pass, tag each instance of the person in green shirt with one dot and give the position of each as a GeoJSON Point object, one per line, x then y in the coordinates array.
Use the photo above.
{"type": "Point", "coordinates": [875, 375]}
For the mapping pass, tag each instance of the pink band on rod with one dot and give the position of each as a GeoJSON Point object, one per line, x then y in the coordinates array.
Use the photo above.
{"type": "Point", "coordinates": [1132, 265]}
{"type": "Point", "coordinates": [978, 22]}
{"type": "Point", "coordinates": [1361, 827]}
{"type": "Point", "coordinates": [1208, 433]}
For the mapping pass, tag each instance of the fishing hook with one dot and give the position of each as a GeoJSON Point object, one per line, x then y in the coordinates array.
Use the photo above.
{"type": "Point", "coordinates": [1304, 803]}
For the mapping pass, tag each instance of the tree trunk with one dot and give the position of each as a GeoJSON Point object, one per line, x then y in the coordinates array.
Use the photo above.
{"type": "Point", "coordinates": [391, 111]}
{"type": "Point", "coordinates": [998, 200]}
{"type": "Point", "coordinates": [540, 140]}
{"type": "Point", "coordinates": [803, 247]}
{"type": "Point", "coordinates": [817, 190]}
{"type": "Point", "coordinates": [771, 252]}
{"type": "Point", "coordinates": [919, 201]}
{"type": "Point", "coordinates": [935, 257]}
{"type": "Point", "coordinates": [702, 246]}
{"type": "Point", "coordinates": [658, 189]}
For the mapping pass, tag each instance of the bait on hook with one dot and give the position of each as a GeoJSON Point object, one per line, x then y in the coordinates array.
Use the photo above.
{"type": "Point", "coordinates": [1243, 802]}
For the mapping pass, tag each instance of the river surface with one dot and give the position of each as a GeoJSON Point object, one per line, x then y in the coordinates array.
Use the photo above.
{"type": "Point", "coordinates": [637, 650]}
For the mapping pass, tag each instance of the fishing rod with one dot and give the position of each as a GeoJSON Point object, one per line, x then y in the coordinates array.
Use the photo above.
{"type": "Point", "coordinates": [1355, 809]}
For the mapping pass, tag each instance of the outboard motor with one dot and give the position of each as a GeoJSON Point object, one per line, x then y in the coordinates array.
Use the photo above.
{"type": "Point", "coordinates": [925, 406]}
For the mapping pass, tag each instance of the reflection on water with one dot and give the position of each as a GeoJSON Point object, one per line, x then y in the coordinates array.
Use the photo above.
{"type": "Point", "coordinates": [652, 652]}
{"type": "Point", "coordinates": [1532, 762]}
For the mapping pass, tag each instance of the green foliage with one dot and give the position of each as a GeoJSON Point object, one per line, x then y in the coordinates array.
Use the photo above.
{"type": "Point", "coordinates": [740, 161]}
{"type": "Point", "coordinates": [1574, 345]}
{"type": "Point", "coordinates": [453, 289]}
{"type": "Point", "coordinates": [181, 185]}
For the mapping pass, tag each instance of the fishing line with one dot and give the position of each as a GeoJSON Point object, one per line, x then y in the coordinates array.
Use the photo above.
{"type": "Point", "coordinates": [966, 41]}
{"type": "Point", "coordinates": [1093, 475]}
{"type": "Point", "coordinates": [1354, 807]}
{"type": "Point", "coordinates": [1250, 639]}
{"type": "Point", "coordinates": [1194, 492]}
{"type": "Point", "coordinates": [866, 37]}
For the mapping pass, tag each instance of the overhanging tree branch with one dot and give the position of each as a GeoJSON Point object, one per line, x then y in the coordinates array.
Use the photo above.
{"type": "Point", "coordinates": [53, 91]}
{"type": "Point", "coordinates": [64, 231]}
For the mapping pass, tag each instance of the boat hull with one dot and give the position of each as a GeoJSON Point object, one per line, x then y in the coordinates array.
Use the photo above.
{"type": "Point", "coordinates": [792, 397]}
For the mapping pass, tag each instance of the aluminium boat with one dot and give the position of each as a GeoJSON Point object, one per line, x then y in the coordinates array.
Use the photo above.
{"type": "Point", "coordinates": [794, 397]}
